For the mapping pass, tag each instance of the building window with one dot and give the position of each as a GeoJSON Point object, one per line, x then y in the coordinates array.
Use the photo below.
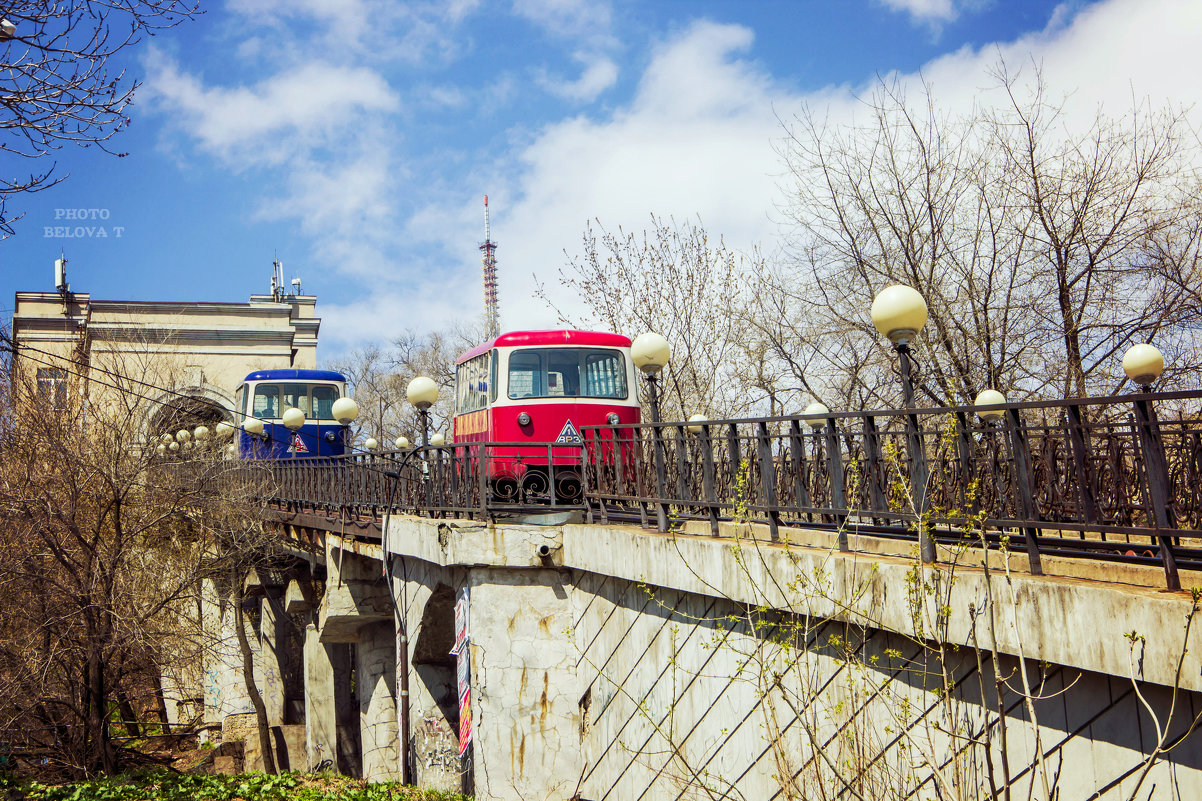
{"type": "Point", "coordinates": [52, 387]}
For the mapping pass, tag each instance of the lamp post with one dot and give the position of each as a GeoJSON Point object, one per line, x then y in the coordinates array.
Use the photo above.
{"type": "Point", "coordinates": [345, 410]}
{"type": "Point", "coordinates": [899, 313]}
{"type": "Point", "coordinates": [650, 353]}
{"type": "Point", "coordinates": [1143, 364]}
{"type": "Point", "coordinates": [253, 427]}
{"type": "Point", "coordinates": [423, 393]}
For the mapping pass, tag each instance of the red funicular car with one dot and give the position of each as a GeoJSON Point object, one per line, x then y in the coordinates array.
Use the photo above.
{"type": "Point", "coordinates": [539, 387]}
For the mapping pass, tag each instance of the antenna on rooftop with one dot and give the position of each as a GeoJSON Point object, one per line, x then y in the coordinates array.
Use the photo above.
{"type": "Point", "coordinates": [60, 274]}
{"type": "Point", "coordinates": [277, 280]}
{"type": "Point", "coordinates": [492, 322]}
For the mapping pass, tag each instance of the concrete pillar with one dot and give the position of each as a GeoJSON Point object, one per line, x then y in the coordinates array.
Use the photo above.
{"type": "Point", "coordinates": [321, 718]}
{"type": "Point", "coordinates": [525, 710]}
{"type": "Point", "coordinates": [223, 688]}
{"type": "Point", "coordinates": [272, 659]}
{"type": "Point", "coordinates": [376, 674]}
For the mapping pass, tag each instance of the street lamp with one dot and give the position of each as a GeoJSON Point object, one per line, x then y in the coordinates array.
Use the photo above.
{"type": "Point", "coordinates": [651, 353]}
{"type": "Point", "coordinates": [183, 435]}
{"type": "Point", "coordinates": [423, 393]}
{"type": "Point", "coordinates": [438, 439]}
{"type": "Point", "coordinates": [344, 410]}
{"type": "Point", "coordinates": [253, 426]}
{"type": "Point", "coordinates": [899, 313]}
{"type": "Point", "coordinates": [402, 443]}
{"type": "Point", "coordinates": [371, 444]}
{"type": "Point", "coordinates": [224, 430]}
{"type": "Point", "coordinates": [989, 397]}
{"type": "Point", "coordinates": [696, 422]}
{"type": "Point", "coordinates": [1143, 364]}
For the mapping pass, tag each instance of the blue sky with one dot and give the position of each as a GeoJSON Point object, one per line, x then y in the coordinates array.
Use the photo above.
{"type": "Point", "coordinates": [355, 138]}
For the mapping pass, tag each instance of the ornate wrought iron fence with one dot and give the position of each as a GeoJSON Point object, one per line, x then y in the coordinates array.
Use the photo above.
{"type": "Point", "coordinates": [1091, 476]}
{"type": "Point", "coordinates": [479, 479]}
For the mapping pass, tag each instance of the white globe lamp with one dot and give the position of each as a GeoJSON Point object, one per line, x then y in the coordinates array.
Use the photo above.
{"type": "Point", "coordinates": [1143, 364]}
{"type": "Point", "coordinates": [293, 418]}
{"type": "Point", "coordinates": [650, 352]}
{"type": "Point", "coordinates": [989, 397]}
{"type": "Point", "coordinates": [345, 410]}
{"type": "Point", "coordinates": [422, 392]}
{"type": "Point", "coordinates": [899, 313]}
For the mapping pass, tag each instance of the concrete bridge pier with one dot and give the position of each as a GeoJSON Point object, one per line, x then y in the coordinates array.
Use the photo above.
{"type": "Point", "coordinates": [354, 634]}
{"type": "Point", "coordinates": [523, 702]}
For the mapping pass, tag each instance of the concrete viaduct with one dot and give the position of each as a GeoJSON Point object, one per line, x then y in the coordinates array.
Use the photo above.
{"type": "Point", "coordinates": [612, 662]}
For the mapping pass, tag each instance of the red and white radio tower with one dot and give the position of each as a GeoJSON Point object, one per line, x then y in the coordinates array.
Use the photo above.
{"type": "Point", "coordinates": [492, 322]}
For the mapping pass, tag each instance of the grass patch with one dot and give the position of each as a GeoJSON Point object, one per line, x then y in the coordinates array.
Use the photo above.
{"type": "Point", "coordinates": [163, 785]}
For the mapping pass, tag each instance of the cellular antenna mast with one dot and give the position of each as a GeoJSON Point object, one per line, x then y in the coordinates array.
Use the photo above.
{"type": "Point", "coordinates": [492, 321]}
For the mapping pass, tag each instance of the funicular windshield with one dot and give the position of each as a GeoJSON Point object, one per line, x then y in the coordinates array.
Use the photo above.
{"type": "Point", "coordinates": [315, 400]}
{"type": "Point", "coordinates": [568, 373]}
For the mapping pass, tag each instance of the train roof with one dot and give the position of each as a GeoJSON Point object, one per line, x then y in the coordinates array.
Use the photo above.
{"type": "Point", "coordinates": [517, 339]}
{"type": "Point", "coordinates": [292, 374]}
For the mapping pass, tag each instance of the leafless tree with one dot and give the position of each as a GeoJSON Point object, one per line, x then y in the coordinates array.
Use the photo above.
{"type": "Point", "coordinates": [104, 542]}
{"type": "Point", "coordinates": [379, 377]}
{"type": "Point", "coordinates": [673, 280]}
{"type": "Point", "coordinates": [1042, 251]}
{"type": "Point", "coordinates": [59, 83]}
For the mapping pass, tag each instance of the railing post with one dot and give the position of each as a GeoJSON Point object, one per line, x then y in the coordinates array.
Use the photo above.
{"type": "Point", "coordinates": [682, 463]}
{"type": "Point", "coordinates": [661, 479]}
{"type": "Point", "coordinates": [797, 455]}
{"type": "Point", "coordinates": [1022, 484]}
{"type": "Point", "coordinates": [876, 470]}
{"type": "Point", "coordinates": [768, 480]}
{"type": "Point", "coordinates": [964, 448]}
{"type": "Point", "coordinates": [834, 471]}
{"type": "Point", "coordinates": [1078, 438]}
{"type": "Point", "coordinates": [1156, 474]}
{"type": "Point", "coordinates": [706, 443]}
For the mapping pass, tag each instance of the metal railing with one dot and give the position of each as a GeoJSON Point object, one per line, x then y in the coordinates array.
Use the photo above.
{"type": "Point", "coordinates": [479, 479]}
{"type": "Point", "coordinates": [1096, 477]}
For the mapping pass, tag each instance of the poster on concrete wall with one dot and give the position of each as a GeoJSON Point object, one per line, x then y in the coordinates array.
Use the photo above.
{"type": "Point", "coordinates": [463, 670]}
{"type": "Point", "coordinates": [460, 622]}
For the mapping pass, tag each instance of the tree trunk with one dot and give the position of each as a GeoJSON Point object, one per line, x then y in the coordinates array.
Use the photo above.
{"type": "Point", "coordinates": [100, 748]}
{"type": "Point", "coordinates": [248, 677]}
{"type": "Point", "coordinates": [161, 701]}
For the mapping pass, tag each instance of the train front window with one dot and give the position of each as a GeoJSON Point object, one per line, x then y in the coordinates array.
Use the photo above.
{"type": "Point", "coordinates": [267, 401]}
{"type": "Point", "coordinates": [567, 372]}
{"type": "Point", "coordinates": [324, 396]}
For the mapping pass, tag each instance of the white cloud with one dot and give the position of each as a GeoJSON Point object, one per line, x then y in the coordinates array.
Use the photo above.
{"type": "Point", "coordinates": [600, 73]}
{"type": "Point", "coordinates": [697, 139]}
{"type": "Point", "coordinates": [274, 120]}
{"type": "Point", "coordinates": [569, 18]}
{"type": "Point", "coordinates": [925, 10]}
